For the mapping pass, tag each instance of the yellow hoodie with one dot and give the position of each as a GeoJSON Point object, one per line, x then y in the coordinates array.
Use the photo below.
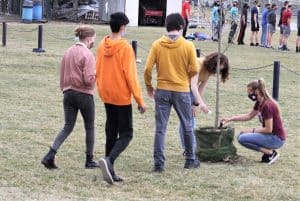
{"type": "Point", "coordinates": [116, 73]}
{"type": "Point", "coordinates": [175, 61]}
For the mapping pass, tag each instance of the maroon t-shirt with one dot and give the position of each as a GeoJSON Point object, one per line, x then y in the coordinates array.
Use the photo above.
{"type": "Point", "coordinates": [287, 14]}
{"type": "Point", "coordinates": [269, 110]}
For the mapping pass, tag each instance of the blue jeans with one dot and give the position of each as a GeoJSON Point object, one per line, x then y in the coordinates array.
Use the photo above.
{"type": "Point", "coordinates": [256, 141]}
{"type": "Point", "coordinates": [164, 100]}
{"type": "Point", "coordinates": [181, 134]}
{"type": "Point", "coordinates": [263, 38]}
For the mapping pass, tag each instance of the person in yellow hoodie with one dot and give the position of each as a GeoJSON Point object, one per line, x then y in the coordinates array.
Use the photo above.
{"type": "Point", "coordinates": [117, 81]}
{"type": "Point", "coordinates": [176, 63]}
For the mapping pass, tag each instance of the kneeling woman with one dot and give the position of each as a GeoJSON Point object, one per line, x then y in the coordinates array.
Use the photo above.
{"type": "Point", "coordinates": [271, 135]}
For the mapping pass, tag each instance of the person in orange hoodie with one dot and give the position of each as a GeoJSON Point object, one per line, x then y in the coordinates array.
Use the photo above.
{"type": "Point", "coordinates": [117, 81]}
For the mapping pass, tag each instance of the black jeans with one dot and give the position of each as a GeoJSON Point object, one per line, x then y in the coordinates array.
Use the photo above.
{"type": "Point", "coordinates": [185, 27]}
{"type": "Point", "coordinates": [118, 129]}
{"type": "Point", "coordinates": [74, 101]}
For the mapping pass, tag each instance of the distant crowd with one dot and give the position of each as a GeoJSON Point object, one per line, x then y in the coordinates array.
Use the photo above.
{"type": "Point", "coordinates": [266, 27]}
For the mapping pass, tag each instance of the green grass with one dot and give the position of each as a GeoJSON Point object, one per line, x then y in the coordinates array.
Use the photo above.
{"type": "Point", "coordinates": [31, 116]}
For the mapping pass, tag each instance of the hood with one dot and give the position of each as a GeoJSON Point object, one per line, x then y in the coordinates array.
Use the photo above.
{"type": "Point", "coordinates": [169, 43]}
{"type": "Point", "coordinates": [111, 47]}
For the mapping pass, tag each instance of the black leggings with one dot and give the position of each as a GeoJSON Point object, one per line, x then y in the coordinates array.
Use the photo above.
{"type": "Point", "coordinates": [118, 129]}
{"type": "Point", "coordinates": [74, 101]}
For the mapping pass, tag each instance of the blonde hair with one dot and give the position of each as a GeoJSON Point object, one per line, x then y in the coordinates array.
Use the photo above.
{"type": "Point", "coordinates": [84, 31]}
{"type": "Point", "coordinates": [261, 87]}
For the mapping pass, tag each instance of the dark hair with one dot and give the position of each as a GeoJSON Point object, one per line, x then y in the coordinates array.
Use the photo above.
{"type": "Point", "coordinates": [286, 3]}
{"type": "Point", "coordinates": [84, 31]}
{"type": "Point", "coordinates": [211, 61]}
{"type": "Point", "coordinates": [174, 22]}
{"type": "Point", "coordinates": [245, 6]}
{"type": "Point", "coordinates": [117, 20]}
{"type": "Point", "coordinates": [273, 5]}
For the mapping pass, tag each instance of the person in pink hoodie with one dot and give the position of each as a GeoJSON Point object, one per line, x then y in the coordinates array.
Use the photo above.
{"type": "Point", "coordinates": [77, 82]}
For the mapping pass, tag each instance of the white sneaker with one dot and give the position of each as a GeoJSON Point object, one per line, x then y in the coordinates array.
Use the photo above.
{"type": "Point", "coordinates": [273, 157]}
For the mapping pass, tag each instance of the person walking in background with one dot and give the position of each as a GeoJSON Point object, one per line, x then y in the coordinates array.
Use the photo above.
{"type": "Point", "coordinates": [285, 4]}
{"type": "Point", "coordinates": [234, 17]}
{"type": "Point", "coordinates": [271, 135]}
{"type": "Point", "coordinates": [298, 33]}
{"type": "Point", "coordinates": [176, 62]}
{"type": "Point", "coordinates": [254, 25]}
{"type": "Point", "coordinates": [264, 25]}
{"type": "Point", "coordinates": [215, 21]}
{"type": "Point", "coordinates": [186, 13]}
{"type": "Point", "coordinates": [117, 81]}
{"type": "Point", "coordinates": [77, 82]}
{"type": "Point", "coordinates": [286, 26]}
{"type": "Point", "coordinates": [271, 20]}
{"type": "Point", "coordinates": [243, 24]}
{"type": "Point", "coordinates": [208, 68]}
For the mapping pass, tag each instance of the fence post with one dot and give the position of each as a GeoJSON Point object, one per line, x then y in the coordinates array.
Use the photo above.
{"type": "Point", "coordinates": [276, 73]}
{"type": "Point", "coordinates": [4, 31]}
{"type": "Point", "coordinates": [40, 40]}
{"type": "Point", "coordinates": [134, 47]}
{"type": "Point", "coordinates": [198, 52]}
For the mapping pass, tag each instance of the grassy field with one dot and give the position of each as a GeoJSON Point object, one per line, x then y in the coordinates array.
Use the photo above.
{"type": "Point", "coordinates": [31, 116]}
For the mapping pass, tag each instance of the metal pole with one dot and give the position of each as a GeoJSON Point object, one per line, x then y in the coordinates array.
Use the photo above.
{"type": "Point", "coordinates": [134, 47]}
{"type": "Point", "coordinates": [40, 40]}
{"type": "Point", "coordinates": [4, 31]}
{"type": "Point", "coordinates": [276, 74]}
{"type": "Point", "coordinates": [218, 64]}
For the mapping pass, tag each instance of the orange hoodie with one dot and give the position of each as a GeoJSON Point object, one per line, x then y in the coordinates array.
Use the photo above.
{"type": "Point", "coordinates": [116, 73]}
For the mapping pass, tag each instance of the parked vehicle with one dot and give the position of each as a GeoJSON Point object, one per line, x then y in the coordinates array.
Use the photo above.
{"type": "Point", "coordinates": [151, 14]}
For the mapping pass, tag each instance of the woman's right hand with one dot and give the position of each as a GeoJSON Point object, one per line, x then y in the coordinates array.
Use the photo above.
{"type": "Point", "coordinates": [204, 108]}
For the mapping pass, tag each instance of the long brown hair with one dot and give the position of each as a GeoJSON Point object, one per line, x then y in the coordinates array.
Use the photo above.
{"type": "Point", "coordinates": [261, 87]}
{"type": "Point", "coordinates": [84, 31]}
{"type": "Point", "coordinates": [211, 61]}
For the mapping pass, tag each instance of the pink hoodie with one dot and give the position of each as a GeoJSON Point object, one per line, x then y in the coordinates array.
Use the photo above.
{"type": "Point", "coordinates": [77, 70]}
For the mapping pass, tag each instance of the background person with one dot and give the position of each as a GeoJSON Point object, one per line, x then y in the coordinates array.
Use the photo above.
{"type": "Point", "coordinates": [234, 18]}
{"type": "Point", "coordinates": [298, 33]}
{"type": "Point", "coordinates": [284, 7]}
{"type": "Point", "coordinates": [186, 13]}
{"type": "Point", "coordinates": [264, 25]}
{"type": "Point", "coordinates": [271, 19]}
{"type": "Point", "coordinates": [286, 26]}
{"type": "Point", "coordinates": [243, 24]}
{"type": "Point", "coordinates": [271, 135]}
{"type": "Point", "coordinates": [215, 21]}
{"type": "Point", "coordinates": [254, 25]}
{"type": "Point", "coordinates": [77, 81]}
{"type": "Point", "coordinates": [117, 82]}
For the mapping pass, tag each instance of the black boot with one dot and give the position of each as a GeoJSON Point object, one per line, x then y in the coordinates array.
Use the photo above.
{"type": "Point", "coordinates": [89, 163]}
{"type": "Point", "coordinates": [48, 160]}
{"type": "Point", "coordinates": [115, 177]}
{"type": "Point", "coordinates": [297, 49]}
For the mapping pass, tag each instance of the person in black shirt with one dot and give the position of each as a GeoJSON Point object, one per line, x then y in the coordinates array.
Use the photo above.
{"type": "Point", "coordinates": [243, 24]}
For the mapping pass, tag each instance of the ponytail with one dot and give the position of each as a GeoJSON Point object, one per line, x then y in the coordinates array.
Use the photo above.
{"type": "Point", "coordinates": [261, 87]}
